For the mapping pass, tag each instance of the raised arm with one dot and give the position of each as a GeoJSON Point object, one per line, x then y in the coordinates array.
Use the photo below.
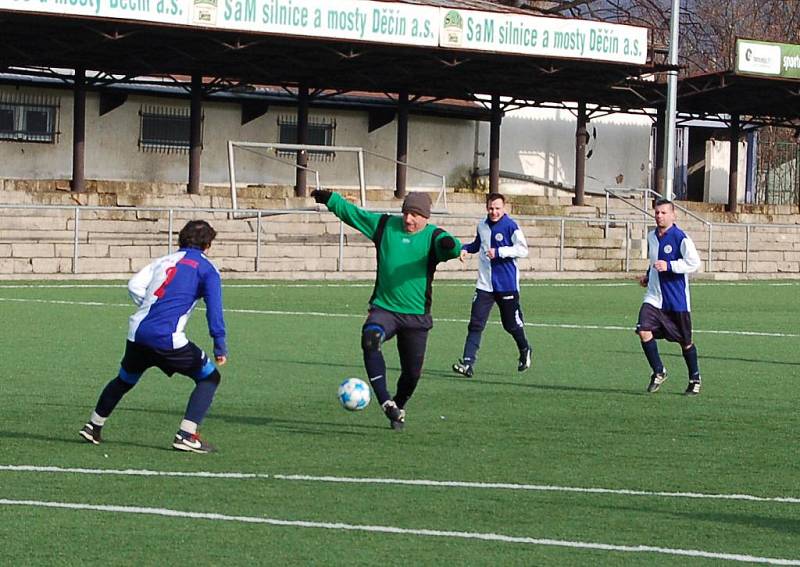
{"type": "Point", "coordinates": [363, 221]}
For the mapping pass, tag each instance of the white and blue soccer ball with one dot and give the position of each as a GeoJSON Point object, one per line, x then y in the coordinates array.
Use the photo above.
{"type": "Point", "coordinates": [354, 394]}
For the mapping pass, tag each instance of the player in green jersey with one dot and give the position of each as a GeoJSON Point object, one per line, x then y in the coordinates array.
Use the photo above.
{"type": "Point", "coordinates": [408, 249]}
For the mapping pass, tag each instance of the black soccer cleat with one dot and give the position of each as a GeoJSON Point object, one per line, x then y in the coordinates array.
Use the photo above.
{"type": "Point", "coordinates": [656, 379]}
{"type": "Point", "coordinates": [395, 415]}
{"type": "Point", "coordinates": [693, 389]}
{"type": "Point", "coordinates": [91, 433]}
{"type": "Point", "coordinates": [524, 359]}
{"type": "Point", "coordinates": [191, 443]}
{"type": "Point", "coordinates": [463, 368]}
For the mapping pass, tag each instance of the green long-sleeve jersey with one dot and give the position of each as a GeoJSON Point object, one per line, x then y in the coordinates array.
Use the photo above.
{"type": "Point", "coordinates": [406, 261]}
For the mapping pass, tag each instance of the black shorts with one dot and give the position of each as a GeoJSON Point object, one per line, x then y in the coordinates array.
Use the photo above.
{"type": "Point", "coordinates": [675, 326]}
{"type": "Point", "coordinates": [391, 323]}
{"type": "Point", "coordinates": [189, 360]}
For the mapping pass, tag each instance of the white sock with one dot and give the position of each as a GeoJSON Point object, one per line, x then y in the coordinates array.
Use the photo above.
{"type": "Point", "coordinates": [97, 419]}
{"type": "Point", "coordinates": [188, 426]}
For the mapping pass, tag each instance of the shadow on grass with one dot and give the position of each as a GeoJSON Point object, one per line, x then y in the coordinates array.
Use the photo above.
{"type": "Point", "coordinates": [528, 380]}
{"type": "Point", "coordinates": [27, 435]}
{"type": "Point", "coordinates": [702, 357]}
{"type": "Point", "coordinates": [290, 425]}
{"type": "Point", "coordinates": [784, 524]}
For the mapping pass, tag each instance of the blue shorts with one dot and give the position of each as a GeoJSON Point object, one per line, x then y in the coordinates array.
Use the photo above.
{"type": "Point", "coordinates": [189, 360]}
{"type": "Point", "coordinates": [675, 326]}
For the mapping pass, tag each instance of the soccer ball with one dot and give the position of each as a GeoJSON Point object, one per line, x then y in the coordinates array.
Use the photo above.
{"type": "Point", "coordinates": [353, 394]}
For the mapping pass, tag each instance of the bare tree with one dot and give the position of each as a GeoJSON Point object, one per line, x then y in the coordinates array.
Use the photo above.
{"type": "Point", "coordinates": [708, 27]}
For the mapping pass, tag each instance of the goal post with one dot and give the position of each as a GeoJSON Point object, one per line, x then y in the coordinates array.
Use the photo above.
{"type": "Point", "coordinates": [232, 145]}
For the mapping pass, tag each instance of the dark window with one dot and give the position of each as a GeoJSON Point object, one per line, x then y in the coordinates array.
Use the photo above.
{"type": "Point", "coordinates": [165, 130]}
{"type": "Point", "coordinates": [29, 119]}
{"type": "Point", "coordinates": [36, 121]}
{"type": "Point", "coordinates": [320, 133]}
{"type": "Point", "coordinates": [6, 120]}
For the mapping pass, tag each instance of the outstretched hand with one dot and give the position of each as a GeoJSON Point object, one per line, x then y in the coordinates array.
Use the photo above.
{"type": "Point", "coordinates": [221, 360]}
{"type": "Point", "coordinates": [321, 196]}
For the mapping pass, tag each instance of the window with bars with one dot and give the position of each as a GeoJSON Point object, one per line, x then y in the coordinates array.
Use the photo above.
{"type": "Point", "coordinates": [29, 119]}
{"type": "Point", "coordinates": [321, 132]}
{"type": "Point", "coordinates": [165, 130]}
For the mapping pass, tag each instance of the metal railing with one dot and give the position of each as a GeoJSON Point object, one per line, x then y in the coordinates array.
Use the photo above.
{"type": "Point", "coordinates": [261, 214]}
{"type": "Point", "coordinates": [443, 191]}
{"type": "Point", "coordinates": [647, 195]}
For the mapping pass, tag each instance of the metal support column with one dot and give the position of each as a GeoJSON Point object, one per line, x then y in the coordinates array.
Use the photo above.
{"type": "Point", "coordinates": [195, 130]}
{"type": "Point", "coordinates": [661, 126]}
{"type": "Point", "coordinates": [733, 170]}
{"type": "Point", "coordinates": [300, 187]}
{"type": "Point", "coordinates": [494, 145]}
{"type": "Point", "coordinates": [78, 183]}
{"type": "Point", "coordinates": [672, 101]}
{"type": "Point", "coordinates": [402, 145]}
{"type": "Point", "coordinates": [581, 139]}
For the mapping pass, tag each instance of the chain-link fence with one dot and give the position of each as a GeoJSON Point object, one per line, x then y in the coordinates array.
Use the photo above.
{"type": "Point", "coordinates": [778, 174]}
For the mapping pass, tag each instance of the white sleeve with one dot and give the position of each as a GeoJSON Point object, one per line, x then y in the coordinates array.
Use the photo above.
{"type": "Point", "coordinates": [690, 262]}
{"type": "Point", "coordinates": [137, 285]}
{"type": "Point", "coordinates": [518, 248]}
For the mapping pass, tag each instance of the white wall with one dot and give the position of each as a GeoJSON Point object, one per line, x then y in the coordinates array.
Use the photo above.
{"type": "Point", "coordinates": [718, 158]}
{"type": "Point", "coordinates": [444, 146]}
{"type": "Point", "coordinates": [541, 142]}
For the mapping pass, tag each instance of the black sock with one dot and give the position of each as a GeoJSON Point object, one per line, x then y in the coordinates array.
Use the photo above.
{"type": "Point", "coordinates": [376, 372]}
{"type": "Point", "coordinates": [690, 356]}
{"type": "Point", "coordinates": [111, 395]}
{"type": "Point", "coordinates": [650, 349]}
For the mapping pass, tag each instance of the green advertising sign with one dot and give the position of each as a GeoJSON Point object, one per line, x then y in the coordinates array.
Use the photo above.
{"type": "Point", "coordinates": [767, 58]}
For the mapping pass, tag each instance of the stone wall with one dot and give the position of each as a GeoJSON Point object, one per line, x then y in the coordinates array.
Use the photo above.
{"type": "Point", "coordinates": [39, 243]}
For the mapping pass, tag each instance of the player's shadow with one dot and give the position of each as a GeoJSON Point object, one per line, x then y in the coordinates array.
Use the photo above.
{"type": "Point", "coordinates": [30, 436]}
{"type": "Point", "coordinates": [702, 357]}
{"type": "Point", "coordinates": [316, 363]}
{"type": "Point", "coordinates": [290, 425]}
{"type": "Point", "coordinates": [781, 524]}
{"type": "Point", "coordinates": [305, 427]}
{"type": "Point", "coordinates": [524, 381]}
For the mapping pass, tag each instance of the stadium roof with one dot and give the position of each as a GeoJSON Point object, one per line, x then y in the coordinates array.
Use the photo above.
{"type": "Point", "coordinates": [125, 48]}
{"type": "Point", "coordinates": [767, 100]}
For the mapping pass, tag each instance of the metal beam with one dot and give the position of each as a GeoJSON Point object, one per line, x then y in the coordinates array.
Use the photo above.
{"type": "Point", "coordinates": [195, 135]}
{"type": "Point", "coordinates": [78, 183]}
{"type": "Point", "coordinates": [401, 170]}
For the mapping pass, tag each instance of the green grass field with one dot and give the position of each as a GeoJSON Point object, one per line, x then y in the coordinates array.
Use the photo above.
{"type": "Point", "coordinates": [571, 463]}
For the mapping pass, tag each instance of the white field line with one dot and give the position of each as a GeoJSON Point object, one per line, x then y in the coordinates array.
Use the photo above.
{"type": "Point", "coordinates": [402, 531]}
{"type": "Point", "coordinates": [229, 284]}
{"type": "Point", "coordinates": [399, 482]}
{"type": "Point", "coordinates": [438, 319]}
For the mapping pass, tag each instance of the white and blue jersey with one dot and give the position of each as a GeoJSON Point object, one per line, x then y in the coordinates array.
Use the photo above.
{"type": "Point", "coordinates": [670, 290]}
{"type": "Point", "coordinates": [167, 291]}
{"type": "Point", "coordinates": [499, 274]}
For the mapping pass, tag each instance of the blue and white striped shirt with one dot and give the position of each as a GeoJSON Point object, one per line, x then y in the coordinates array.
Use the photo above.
{"type": "Point", "coordinates": [501, 273]}
{"type": "Point", "coordinates": [166, 291]}
{"type": "Point", "coordinates": [670, 290]}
